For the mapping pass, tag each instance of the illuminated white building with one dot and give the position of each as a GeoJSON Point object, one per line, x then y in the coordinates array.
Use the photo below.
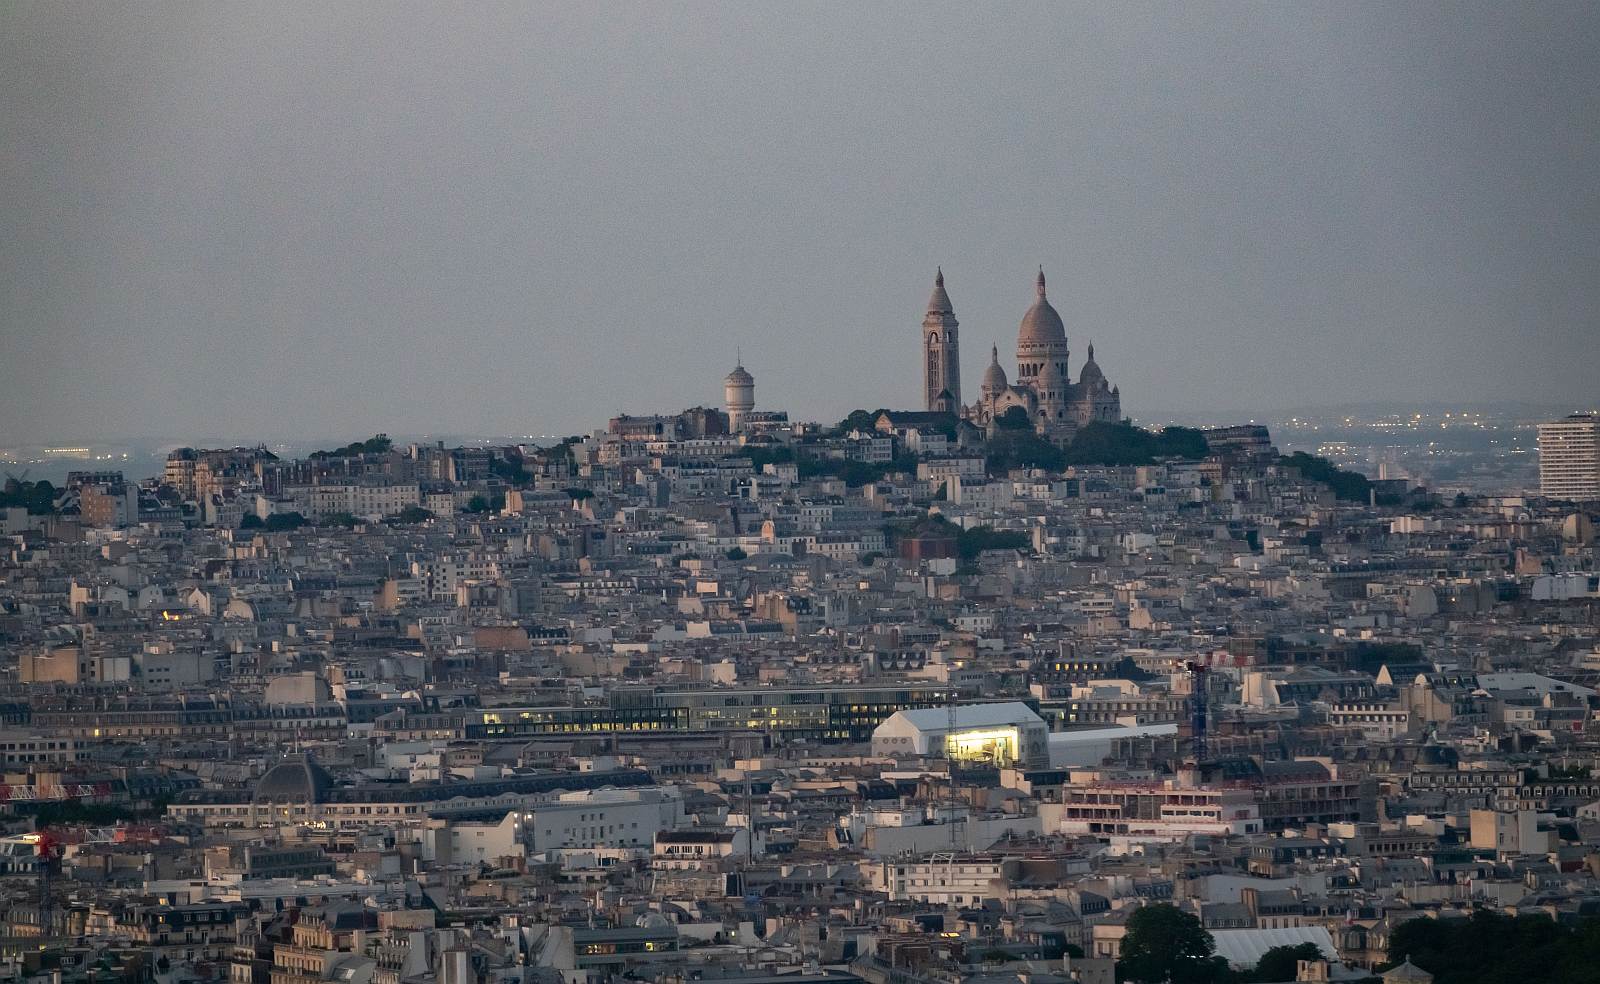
{"type": "Point", "coordinates": [1000, 734]}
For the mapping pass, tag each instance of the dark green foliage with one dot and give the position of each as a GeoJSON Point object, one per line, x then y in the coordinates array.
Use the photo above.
{"type": "Point", "coordinates": [761, 457]}
{"type": "Point", "coordinates": [948, 425]}
{"type": "Point", "coordinates": [281, 522]}
{"type": "Point", "coordinates": [96, 814]}
{"type": "Point", "coordinates": [1015, 445]}
{"type": "Point", "coordinates": [1015, 418]}
{"type": "Point", "coordinates": [1490, 948]}
{"type": "Point", "coordinates": [412, 514]}
{"type": "Point", "coordinates": [479, 504]}
{"type": "Point", "coordinates": [340, 519]}
{"type": "Point", "coordinates": [1164, 943]}
{"type": "Point", "coordinates": [867, 420]}
{"type": "Point", "coordinates": [250, 521]}
{"type": "Point", "coordinates": [372, 445]}
{"type": "Point", "coordinates": [1281, 963]}
{"type": "Point", "coordinates": [508, 469]}
{"type": "Point", "coordinates": [897, 530]}
{"type": "Point", "coordinates": [1127, 669]}
{"type": "Point", "coordinates": [578, 494]}
{"type": "Point", "coordinates": [1568, 771]}
{"type": "Point", "coordinates": [562, 450]}
{"type": "Point", "coordinates": [858, 420]}
{"type": "Point", "coordinates": [39, 498]}
{"type": "Point", "coordinates": [969, 543]}
{"type": "Point", "coordinates": [972, 542]}
{"type": "Point", "coordinates": [1346, 485]}
{"type": "Point", "coordinates": [1370, 657]}
{"type": "Point", "coordinates": [736, 554]}
{"type": "Point", "coordinates": [1101, 443]}
{"type": "Point", "coordinates": [854, 473]}
{"type": "Point", "coordinates": [1012, 449]}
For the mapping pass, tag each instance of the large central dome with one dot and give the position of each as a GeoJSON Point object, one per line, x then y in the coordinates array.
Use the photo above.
{"type": "Point", "coordinates": [1041, 325]}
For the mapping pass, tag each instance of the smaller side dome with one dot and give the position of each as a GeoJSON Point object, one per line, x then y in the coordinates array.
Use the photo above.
{"type": "Point", "coordinates": [1091, 373]}
{"type": "Point", "coordinates": [994, 377]}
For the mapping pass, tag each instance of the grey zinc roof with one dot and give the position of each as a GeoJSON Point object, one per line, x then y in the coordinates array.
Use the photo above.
{"type": "Point", "coordinates": [972, 716]}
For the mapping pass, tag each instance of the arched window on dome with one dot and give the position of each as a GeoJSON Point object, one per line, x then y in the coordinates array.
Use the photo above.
{"type": "Point", "coordinates": [933, 338]}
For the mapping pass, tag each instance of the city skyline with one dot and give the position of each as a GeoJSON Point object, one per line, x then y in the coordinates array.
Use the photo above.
{"type": "Point", "coordinates": [312, 222]}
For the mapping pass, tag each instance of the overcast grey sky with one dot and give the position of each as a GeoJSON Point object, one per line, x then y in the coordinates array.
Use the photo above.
{"type": "Point", "coordinates": [329, 219]}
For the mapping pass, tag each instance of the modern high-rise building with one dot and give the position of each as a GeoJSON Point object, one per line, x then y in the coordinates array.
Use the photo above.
{"type": "Point", "coordinates": [1569, 457]}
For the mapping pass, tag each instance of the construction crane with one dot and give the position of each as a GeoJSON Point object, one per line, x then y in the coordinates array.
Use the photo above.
{"type": "Point", "coordinates": [49, 853]}
{"type": "Point", "coordinates": [1197, 709]}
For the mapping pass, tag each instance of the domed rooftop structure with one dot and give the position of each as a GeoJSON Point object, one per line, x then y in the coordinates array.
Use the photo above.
{"type": "Point", "coordinates": [299, 780]}
{"type": "Point", "coordinates": [1051, 377]}
{"type": "Point", "coordinates": [739, 377]}
{"type": "Point", "coordinates": [939, 303]}
{"type": "Point", "coordinates": [1091, 373]}
{"type": "Point", "coordinates": [1041, 325]}
{"type": "Point", "coordinates": [994, 377]}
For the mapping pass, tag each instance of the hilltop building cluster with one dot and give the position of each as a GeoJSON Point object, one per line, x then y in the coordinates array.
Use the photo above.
{"type": "Point", "coordinates": [1043, 390]}
{"type": "Point", "coordinates": [721, 696]}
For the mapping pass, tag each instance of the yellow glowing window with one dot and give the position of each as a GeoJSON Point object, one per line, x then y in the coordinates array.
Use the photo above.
{"type": "Point", "coordinates": [995, 745]}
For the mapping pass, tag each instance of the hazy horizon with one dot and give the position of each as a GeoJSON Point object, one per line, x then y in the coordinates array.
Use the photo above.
{"type": "Point", "coordinates": [303, 220]}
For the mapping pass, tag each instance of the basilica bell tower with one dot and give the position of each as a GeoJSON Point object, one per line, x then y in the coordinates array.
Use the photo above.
{"type": "Point", "coordinates": [941, 353]}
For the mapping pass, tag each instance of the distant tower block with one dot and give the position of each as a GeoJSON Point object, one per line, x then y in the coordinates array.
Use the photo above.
{"type": "Point", "coordinates": [739, 395]}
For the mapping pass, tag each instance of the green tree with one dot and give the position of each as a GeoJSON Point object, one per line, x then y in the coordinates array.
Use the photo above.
{"type": "Point", "coordinates": [1127, 669]}
{"type": "Point", "coordinates": [477, 504]}
{"type": "Point", "coordinates": [282, 522]}
{"type": "Point", "coordinates": [1011, 449]}
{"type": "Point", "coordinates": [975, 541]}
{"type": "Point", "coordinates": [1015, 418]}
{"type": "Point", "coordinates": [1347, 485]}
{"type": "Point", "coordinates": [761, 457]}
{"type": "Point", "coordinates": [1104, 443]}
{"type": "Point", "coordinates": [412, 514]}
{"type": "Point", "coordinates": [736, 554]}
{"type": "Point", "coordinates": [1165, 944]}
{"type": "Point", "coordinates": [508, 469]}
{"type": "Point", "coordinates": [378, 444]}
{"type": "Point", "coordinates": [1490, 948]}
{"type": "Point", "coordinates": [1282, 963]}
{"type": "Point", "coordinates": [861, 420]}
{"type": "Point", "coordinates": [250, 521]}
{"type": "Point", "coordinates": [343, 519]}
{"type": "Point", "coordinates": [39, 498]}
